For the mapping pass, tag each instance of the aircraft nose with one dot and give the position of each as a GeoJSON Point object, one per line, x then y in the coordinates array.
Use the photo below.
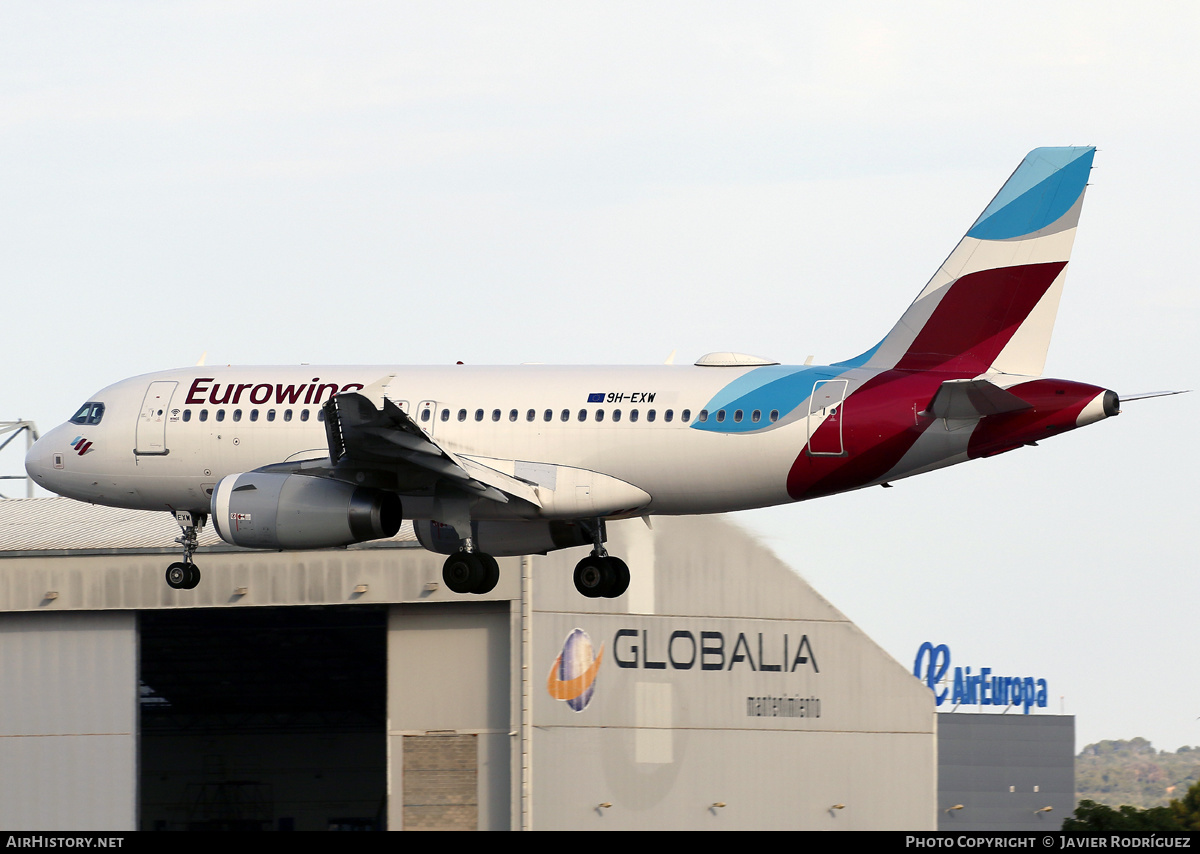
{"type": "Point", "coordinates": [37, 461]}
{"type": "Point", "coordinates": [44, 461]}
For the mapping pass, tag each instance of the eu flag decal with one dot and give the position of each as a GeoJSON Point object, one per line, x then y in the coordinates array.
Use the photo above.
{"type": "Point", "coordinates": [598, 397]}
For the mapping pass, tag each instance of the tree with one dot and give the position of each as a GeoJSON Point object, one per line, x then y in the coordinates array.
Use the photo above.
{"type": "Point", "coordinates": [1091, 817]}
{"type": "Point", "coordinates": [1186, 810]}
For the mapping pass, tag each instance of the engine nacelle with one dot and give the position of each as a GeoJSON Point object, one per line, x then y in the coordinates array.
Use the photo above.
{"type": "Point", "coordinates": [505, 539]}
{"type": "Point", "coordinates": [263, 510]}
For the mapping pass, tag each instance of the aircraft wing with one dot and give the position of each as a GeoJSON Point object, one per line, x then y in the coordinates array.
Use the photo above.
{"type": "Point", "coordinates": [364, 435]}
{"type": "Point", "coordinates": [972, 399]}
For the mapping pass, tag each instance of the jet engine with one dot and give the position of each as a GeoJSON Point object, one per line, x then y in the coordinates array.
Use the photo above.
{"type": "Point", "coordinates": [505, 539]}
{"type": "Point", "coordinates": [264, 510]}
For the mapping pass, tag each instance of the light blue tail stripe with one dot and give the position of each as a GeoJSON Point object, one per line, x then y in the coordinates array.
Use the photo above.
{"type": "Point", "coordinates": [1044, 187]}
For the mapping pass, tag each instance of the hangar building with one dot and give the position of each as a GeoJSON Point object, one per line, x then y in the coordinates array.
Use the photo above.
{"type": "Point", "coordinates": [349, 689]}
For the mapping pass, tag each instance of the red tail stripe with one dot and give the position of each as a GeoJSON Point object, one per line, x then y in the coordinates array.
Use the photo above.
{"type": "Point", "coordinates": [977, 316]}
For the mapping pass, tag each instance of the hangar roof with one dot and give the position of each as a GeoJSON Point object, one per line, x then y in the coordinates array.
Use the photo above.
{"type": "Point", "coordinates": [39, 526]}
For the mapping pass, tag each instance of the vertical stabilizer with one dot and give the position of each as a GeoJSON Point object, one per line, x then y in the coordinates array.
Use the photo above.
{"type": "Point", "coordinates": [991, 305]}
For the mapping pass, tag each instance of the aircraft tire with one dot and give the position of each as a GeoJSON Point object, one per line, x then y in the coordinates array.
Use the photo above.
{"type": "Point", "coordinates": [620, 577]}
{"type": "Point", "coordinates": [491, 574]}
{"type": "Point", "coordinates": [463, 572]}
{"type": "Point", "coordinates": [178, 576]}
{"type": "Point", "coordinates": [193, 577]}
{"type": "Point", "coordinates": [594, 577]}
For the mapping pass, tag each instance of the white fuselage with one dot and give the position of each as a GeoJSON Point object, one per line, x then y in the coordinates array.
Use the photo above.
{"type": "Point", "coordinates": [211, 422]}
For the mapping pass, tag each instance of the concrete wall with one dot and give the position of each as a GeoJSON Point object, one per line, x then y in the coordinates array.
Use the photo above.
{"type": "Point", "coordinates": [1004, 770]}
{"type": "Point", "coordinates": [449, 676]}
{"type": "Point", "coordinates": [68, 721]}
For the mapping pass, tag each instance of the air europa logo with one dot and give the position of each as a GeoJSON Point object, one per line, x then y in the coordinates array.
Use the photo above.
{"type": "Point", "coordinates": [573, 676]}
{"type": "Point", "coordinates": [219, 394]}
{"type": "Point", "coordinates": [80, 445]}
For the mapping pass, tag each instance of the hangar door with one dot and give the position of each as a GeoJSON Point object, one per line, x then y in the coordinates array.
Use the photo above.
{"type": "Point", "coordinates": [263, 718]}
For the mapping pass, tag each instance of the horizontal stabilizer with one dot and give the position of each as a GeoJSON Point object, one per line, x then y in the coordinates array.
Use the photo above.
{"type": "Point", "coordinates": [972, 399]}
{"type": "Point", "coordinates": [1125, 398]}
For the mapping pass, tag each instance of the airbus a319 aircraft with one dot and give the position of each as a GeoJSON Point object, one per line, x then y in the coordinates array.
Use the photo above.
{"type": "Point", "coordinates": [494, 461]}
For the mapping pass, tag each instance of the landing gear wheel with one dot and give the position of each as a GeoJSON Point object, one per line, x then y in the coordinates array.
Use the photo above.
{"type": "Point", "coordinates": [183, 576]}
{"type": "Point", "coordinates": [491, 574]}
{"type": "Point", "coordinates": [621, 579]}
{"type": "Point", "coordinates": [464, 572]}
{"type": "Point", "coordinates": [178, 576]}
{"type": "Point", "coordinates": [594, 576]}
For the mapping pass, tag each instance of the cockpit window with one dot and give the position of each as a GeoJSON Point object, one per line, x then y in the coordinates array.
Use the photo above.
{"type": "Point", "coordinates": [89, 413]}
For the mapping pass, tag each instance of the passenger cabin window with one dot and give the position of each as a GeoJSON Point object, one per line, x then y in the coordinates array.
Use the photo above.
{"type": "Point", "coordinates": [633, 415]}
{"type": "Point", "coordinates": [651, 415]}
{"type": "Point", "coordinates": [599, 414]}
{"type": "Point", "coordinates": [774, 415]}
{"type": "Point", "coordinates": [530, 415]}
{"type": "Point", "coordinates": [616, 415]}
{"type": "Point", "coordinates": [253, 414]}
{"type": "Point", "coordinates": [320, 414]}
{"type": "Point", "coordinates": [424, 415]}
{"type": "Point", "coordinates": [686, 416]}
{"type": "Point", "coordinates": [755, 416]}
{"type": "Point", "coordinates": [203, 414]}
{"type": "Point", "coordinates": [548, 415]}
{"type": "Point", "coordinates": [270, 414]}
{"type": "Point", "coordinates": [512, 415]}
{"type": "Point", "coordinates": [495, 414]}
{"type": "Point", "coordinates": [703, 415]}
{"type": "Point", "coordinates": [220, 414]}
{"type": "Point", "coordinates": [89, 413]}
{"type": "Point", "coordinates": [303, 414]}
{"type": "Point", "coordinates": [445, 414]}
{"type": "Point", "coordinates": [462, 415]}
{"type": "Point", "coordinates": [237, 415]}
{"type": "Point", "coordinates": [566, 415]}
{"type": "Point", "coordinates": [478, 414]}
{"type": "Point", "coordinates": [583, 415]}
{"type": "Point", "coordinates": [187, 415]}
{"type": "Point", "coordinates": [287, 415]}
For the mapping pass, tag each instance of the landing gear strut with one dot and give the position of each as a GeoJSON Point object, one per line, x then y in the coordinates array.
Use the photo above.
{"type": "Point", "coordinates": [185, 575]}
{"type": "Point", "coordinates": [469, 571]}
{"type": "Point", "coordinates": [600, 575]}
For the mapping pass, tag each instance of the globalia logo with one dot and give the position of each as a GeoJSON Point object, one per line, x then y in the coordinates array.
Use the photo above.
{"type": "Point", "coordinates": [573, 676]}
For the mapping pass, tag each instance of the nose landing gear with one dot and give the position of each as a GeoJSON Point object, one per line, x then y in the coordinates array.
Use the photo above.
{"type": "Point", "coordinates": [185, 575]}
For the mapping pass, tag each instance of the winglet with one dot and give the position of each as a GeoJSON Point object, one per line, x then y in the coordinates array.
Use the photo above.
{"type": "Point", "coordinates": [376, 391]}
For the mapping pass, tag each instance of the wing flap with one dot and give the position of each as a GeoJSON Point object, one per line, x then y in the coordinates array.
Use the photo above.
{"type": "Point", "coordinates": [362, 433]}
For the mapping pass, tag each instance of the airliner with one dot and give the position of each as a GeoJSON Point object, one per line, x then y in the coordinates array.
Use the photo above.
{"type": "Point", "coordinates": [501, 461]}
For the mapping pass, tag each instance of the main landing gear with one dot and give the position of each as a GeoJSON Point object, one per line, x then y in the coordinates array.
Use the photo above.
{"type": "Point", "coordinates": [600, 575]}
{"type": "Point", "coordinates": [469, 571]}
{"type": "Point", "coordinates": [185, 575]}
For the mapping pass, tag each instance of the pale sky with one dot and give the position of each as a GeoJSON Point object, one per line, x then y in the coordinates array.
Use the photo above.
{"type": "Point", "coordinates": [591, 183]}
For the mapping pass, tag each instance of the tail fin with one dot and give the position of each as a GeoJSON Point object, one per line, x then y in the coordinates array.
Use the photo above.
{"type": "Point", "coordinates": [991, 305]}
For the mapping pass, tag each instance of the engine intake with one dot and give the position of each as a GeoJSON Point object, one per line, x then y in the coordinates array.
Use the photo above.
{"type": "Point", "coordinates": [262, 510]}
